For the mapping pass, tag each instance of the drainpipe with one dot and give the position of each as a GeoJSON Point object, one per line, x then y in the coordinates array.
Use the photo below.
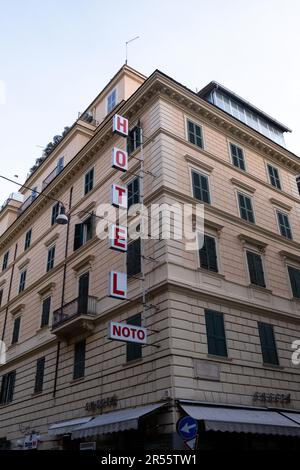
{"type": "Point", "coordinates": [63, 292]}
{"type": "Point", "coordinates": [9, 291]}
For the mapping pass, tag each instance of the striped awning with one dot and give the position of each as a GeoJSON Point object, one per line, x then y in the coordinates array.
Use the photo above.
{"type": "Point", "coordinates": [115, 421]}
{"type": "Point", "coordinates": [240, 420]}
{"type": "Point", "coordinates": [66, 427]}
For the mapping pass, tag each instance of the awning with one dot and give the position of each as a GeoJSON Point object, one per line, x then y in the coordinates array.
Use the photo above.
{"type": "Point", "coordinates": [65, 427]}
{"type": "Point", "coordinates": [115, 421]}
{"type": "Point", "coordinates": [292, 416]}
{"type": "Point", "coordinates": [242, 420]}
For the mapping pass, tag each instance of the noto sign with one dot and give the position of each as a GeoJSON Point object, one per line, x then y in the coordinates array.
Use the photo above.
{"type": "Point", "coordinates": [118, 237]}
{"type": "Point", "coordinates": [119, 159]}
{"type": "Point", "coordinates": [120, 125]}
{"type": "Point", "coordinates": [126, 332]}
{"type": "Point", "coordinates": [119, 196]}
{"type": "Point", "coordinates": [117, 285]}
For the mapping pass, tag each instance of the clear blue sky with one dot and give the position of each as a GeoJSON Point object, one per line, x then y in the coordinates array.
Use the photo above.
{"type": "Point", "coordinates": [55, 57]}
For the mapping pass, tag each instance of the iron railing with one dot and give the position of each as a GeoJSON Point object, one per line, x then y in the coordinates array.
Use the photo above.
{"type": "Point", "coordinates": [77, 307]}
{"type": "Point", "coordinates": [51, 176]}
{"type": "Point", "coordinates": [27, 202]}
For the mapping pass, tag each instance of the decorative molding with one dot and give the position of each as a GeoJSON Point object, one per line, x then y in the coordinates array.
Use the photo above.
{"type": "Point", "coordinates": [244, 239]}
{"type": "Point", "coordinates": [83, 213]}
{"type": "Point", "coordinates": [198, 162]}
{"type": "Point", "coordinates": [23, 264]}
{"type": "Point", "coordinates": [18, 309]}
{"type": "Point", "coordinates": [87, 261]}
{"type": "Point", "coordinates": [47, 288]}
{"type": "Point", "coordinates": [213, 225]}
{"type": "Point", "coordinates": [289, 256]}
{"type": "Point", "coordinates": [281, 204]}
{"type": "Point", "coordinates": [242, 185]}
{"type": "Point", "coordinates": [51, 240]}
{"type": "Point", "coordinates": [127, 176]}
{"type": "Point", "coordinates": [2, 282]}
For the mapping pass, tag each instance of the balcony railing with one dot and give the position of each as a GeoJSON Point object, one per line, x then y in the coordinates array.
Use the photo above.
{"type": "Point", "coordinates": [77, 308]}
{"type": "Point", "coordinates": [12, 197]}
{"type": "Point", "coordinates": [27, 202]}
{"type": "Point", "coordinates": [87, 117]}
{"type": "Point", "coordinates": [51, 176]}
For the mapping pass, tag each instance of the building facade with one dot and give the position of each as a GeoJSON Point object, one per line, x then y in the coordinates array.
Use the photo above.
{"type": "Point", "coordinates": [221, 320]}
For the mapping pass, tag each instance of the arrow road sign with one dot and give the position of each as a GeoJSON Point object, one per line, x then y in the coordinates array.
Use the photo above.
{"type": "Point", "coordinates": [187, 428]}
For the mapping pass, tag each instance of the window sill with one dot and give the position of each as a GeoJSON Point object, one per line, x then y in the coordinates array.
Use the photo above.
{"type": "Point", "coordinates": [215, 358]}
{"type": "Point", "coordinates": [134, 277]}
{"type": "Point", "coordinates": [272, 366]}
{"type": "Point", "coordinates": [35, 394]}
{"type": "Point", "coordinates": [75, 381]}
{"type": "Point", "coordinates": [261, 288]}
{"type": "Point", "coordinates": [42, 328]}
{"type": "Point", "coordinates": [212, 273]}
{"type": "Point", "coordinates": [11, 346]}
{"type": "Point", "coordinates": [133, 362]}
{"type": "Point", "coordinates": [295, 299]}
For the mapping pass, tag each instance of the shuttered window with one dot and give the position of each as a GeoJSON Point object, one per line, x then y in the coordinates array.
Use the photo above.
{"type": "Point", "coordinates": [1, 296]}
{"type": "Point", "coordinates": [79, 360]}
{"type": "Point", "coordinates": [134, 350]}
{"type": "Point", "coordinates": [83, 233]}
{"type": "Point", "coordinates": [7, 387]}
{"type": "Point", "coordinates": [274, 177]}
{"type": "Point", "coordinates": [284, 225]}
{"type": "Point", "coordinates": [46, 312]}
{"type": "Point", "coordinates": [54, 213]}
{"type": "Point", "coordinates": [294, 275]}
{"type": "Point", "coordinates": [200, 187]}
{"type": "Point", "coordinates": [134, 258]}
{"type": "Point", "coordinates": [194, 134]}
{"type": "Point", "coordinates": [255, 267]}
{"type": "Point", "coordinates": [133, 191]}
{"type": "Point", "coordinates": [246, 209]}
{"type": "Point", "coordinates": [39, 375]}
{"type": "Point", "coordinates": [27, 239]}
{"type": "Point", "coordinates": [237, 156]}
{"type": "Point", "coordinates": [89, 181]}
{"type": "Point", "coordinates": [208, 254]}
{"type": "Point", "coordinates": [268, 345]}
{"type": "Point", "coordinates": [22, 282]}
{"type": "Point", "coordinates": [5, 260]}
{"type": "Point", "coordinates": [215, 330]}
{"type": "Point", "coordinates": [16, 330]}
{"type": "Point", "coordinates": [51, 258]}
{"type": "Point", "coordinates": [134, 139]}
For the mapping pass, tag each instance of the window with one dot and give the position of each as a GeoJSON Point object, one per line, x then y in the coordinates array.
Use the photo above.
{"type": "Point", "coordinates": [208, 254]}
{"type": "Point", "coordinates": [134, 139]}
{"type": "Point", "coordinates": [79, 360]}
{"type": "Point", "coordinates": [294, 275]}
{"type": "Point", "coordinates": [16, 330]}
{"type": "Point", "coordinates": [5, 260]}
{"type": "Point", "coordinates": [55, 212]}
{"type": "Point", "coordinates": [255, 267]}
{"type": "Point", "coordinates": [89, 181]}
{"type": "Point", "coordinates": [246, 210]}
{"type": "Point", "coordinates": [134, 257]}
{"type": "Point", "coordinates": [216, 341]}
{"type": "Point", "coordinates": [34, 193]}
{"type": "Point", "coordinates": [134, 350]}
{"type": "Point", "coordinates": [111, 101]}
{"type": "Point", "coordinates": [284, 225]}
{"type": "Point", "coordinates": [27, 239]}
{"type": "Point", "coordinates": [194, 134]}
{"type": "Point", "coordinates": [274, 177]}
{"type": "Point", "coordinates": [39, 375]}
{"type": "Point", "coordinates": [46, 312]}
{"type": "Point", "coordinates": [60, 165]}
{"type": "Point", "coordinates": [83, 233]}
{"type": "Point", "coordinates": [22, 281]}
{"type": "Point", "coordinates": [133, 191]}
{"type": "Point", "coordinates": [268, 345]}
{"type": "Point", "coordinates": [51, 257]}
{"type": "Point", "coordinates": [237, 156]}
{"type": "Point", "coordinates": [7, 387]}
{"type": "Point", "coordinates": [200, 187]}
{"type": "Point", "coordinates": [1, 296]}
{"type": "Point", "coordinates": [298, 183]}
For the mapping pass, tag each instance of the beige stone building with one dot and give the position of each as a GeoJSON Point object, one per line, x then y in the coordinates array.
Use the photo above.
{"type": "Point", "coordinates": [221, 320]}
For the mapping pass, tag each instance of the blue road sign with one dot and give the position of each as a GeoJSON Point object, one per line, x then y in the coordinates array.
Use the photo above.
{"type": "Point", "coordinates": [187, 428]}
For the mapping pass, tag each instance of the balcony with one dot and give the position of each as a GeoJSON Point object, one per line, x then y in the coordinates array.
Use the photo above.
{"type": "Point", "coordinates": [27, 202]}
{"type": "Point", "coordinates": [88, 117]}
{"type": "Point", "coordinates": [51, 176]}
{"type": "Point", "coordinates": [12, 197]}
{"type": "Point", "coordinates": [75, 317]}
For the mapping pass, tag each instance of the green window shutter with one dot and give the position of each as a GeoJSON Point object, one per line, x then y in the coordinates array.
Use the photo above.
{"type": "Point", "coordinates": [46, 312]}
{"type": "Point", "coordinates": [255, 269]}
{"type": "Point", "coordinates": [79, 360]}
{"type": "Point", "coordinates": [268, 345]}
{"type": "Point", "coordinates": [39, 376]}
{"type": "Point", "coordinates": [78, 236]}
{"type": "Point", "coordinates": [215, 330]}
{"type": "Point", "coordinates": [294, 275]}
{"type": "Point", "coordinates": [134, 350]}
{"type": "Point", "coordinates": [208, 254]}
{"type": "Point", "coordinates": [16, 330]}
{"type": "Point", "coordinates": [133, 259]}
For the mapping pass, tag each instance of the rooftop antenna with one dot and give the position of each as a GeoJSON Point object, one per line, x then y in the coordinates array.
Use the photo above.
{"type": "Point", "coordinates": [126, 43]}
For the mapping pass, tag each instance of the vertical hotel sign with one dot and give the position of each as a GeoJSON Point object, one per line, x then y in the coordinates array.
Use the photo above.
{"type": "Point", "coordinates": [118, 233]}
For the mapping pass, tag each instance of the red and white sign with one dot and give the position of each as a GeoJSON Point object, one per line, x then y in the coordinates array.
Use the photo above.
{"type": "Point", "coordinates": [118, 237]}
{"type": "Point", "coordinates": [119, 159]}
{"type": "Point", "coordinates": [119, 196]}
{"type": "Point", "coordinates": [126, 332]}
{"type": "Point", "coordinates": [120, 125]}
{"type": "Point", "coordinates": [117, 285]}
